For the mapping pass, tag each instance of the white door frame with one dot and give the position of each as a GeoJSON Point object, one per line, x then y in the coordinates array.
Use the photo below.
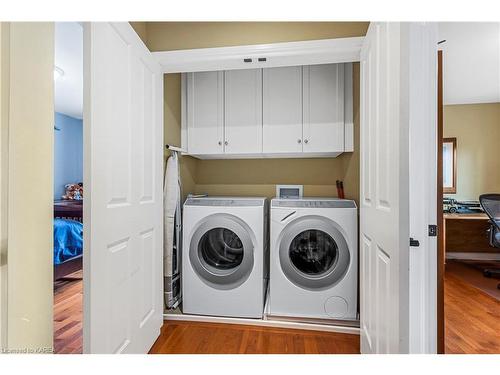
{"type": "Point", "coordinates": [4, 181]}
{"type": "Point", "coordinates": [422, 41]}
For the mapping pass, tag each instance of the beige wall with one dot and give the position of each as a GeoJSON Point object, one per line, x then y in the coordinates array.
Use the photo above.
{"type": "Point", "coordinates": [477, 129]}
{"type": "Point", "coordinates": [4, 109]}
{"type": "Point", "coordinates": [258, 176]}
{"type": "Point", "coordinates": [140, 29]}
{"type": "Point", "coordinates": [29, 70]}
{"type": "Point", "coordinates": [172, 134]}
{"type": "Point", "coordinates": [163, 36]}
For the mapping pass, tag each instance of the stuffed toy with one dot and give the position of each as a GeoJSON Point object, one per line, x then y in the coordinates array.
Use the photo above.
{"type": "Point", "coordinates": [73, 192]}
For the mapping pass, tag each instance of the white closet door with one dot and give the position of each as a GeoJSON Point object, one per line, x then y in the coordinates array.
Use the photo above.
{"type": "Point", "coordinates": [384, 195]}
{"type": "Point", "coordinates": [282, 109]}
{"type": "Point", "coordinates": [205, 106]}
{"type": "Point", "coordinates": [323, 108]}
{"type": "Point", "coordinates": [123, 163]}
{"type": "Point", "coordinates": [243, 111]}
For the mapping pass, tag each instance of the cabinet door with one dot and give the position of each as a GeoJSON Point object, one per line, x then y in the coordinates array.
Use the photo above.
{"type": "Point", "coordinates": [205, 113]}
{"type": "Point", "coordinates": [323, 108]}
{"type": "Point", "coordinates": [282, 110]}
{"type": "Point", "coordinates": [243, 111]}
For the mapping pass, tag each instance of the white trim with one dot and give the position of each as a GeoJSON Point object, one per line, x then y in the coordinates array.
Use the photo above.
{"type": "Point", "coordinates": [262, 323]}
{"type": "Point", "coordinates": [422, 50]}
{"type": "Point", "coordinates": [87, 180]}
{"type": "Point", "coordinates": [348, 109]}
{"type": "Point", "coordinates": [184, 111]}
{"type": "Point", "coordinates": [473, 256]}
{"type": "Point", "coordinates": [325, 51]}
{"type": "Point", "coordinates": [294, 155]}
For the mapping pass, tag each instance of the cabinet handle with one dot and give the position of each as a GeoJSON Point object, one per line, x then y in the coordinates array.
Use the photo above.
{"type": "Point", "coordinates": [226, 143]}
{"type": "Point", "coordinates": [299, 141]}
{"type": "Point", "coordinates": [219, 143]}
{"type": "Point", "coordinates": [306, 141]}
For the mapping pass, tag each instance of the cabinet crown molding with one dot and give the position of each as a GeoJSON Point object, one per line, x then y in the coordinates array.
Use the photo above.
{"type": "Point", "coordinates": [311, 52]}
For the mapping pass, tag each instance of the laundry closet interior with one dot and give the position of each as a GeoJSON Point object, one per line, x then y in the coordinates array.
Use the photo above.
{"type": "Point", "coordinates": [260, 120]}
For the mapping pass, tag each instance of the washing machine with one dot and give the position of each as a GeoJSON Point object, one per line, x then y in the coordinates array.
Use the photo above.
{"type": "Point", "coordinates": [314, 258]}
{"type": "Point", "coordinates": [225, 252]}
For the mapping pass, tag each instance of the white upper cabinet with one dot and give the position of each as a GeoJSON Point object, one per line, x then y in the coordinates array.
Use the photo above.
{"type": "Point", "coordinates": [243, 111]}
{"type": "Point", "coordinates": [298, 111]}
{"type": "Point", "coordinates": [205, 113]}
{"type": "Point", "coordinates": [323, 106]}
{"type": "Point", "coordinates": [282, 110]}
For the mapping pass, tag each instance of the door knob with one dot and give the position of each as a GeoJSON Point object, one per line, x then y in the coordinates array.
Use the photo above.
{"type": "Point", "coordinates": [220, 143]}
{"type": "Point", "coordinates": [306, 141]}
{"type": "Point", "coordinates": [299, 141]}
{"type": "Point", "coordinates": [226, 143]}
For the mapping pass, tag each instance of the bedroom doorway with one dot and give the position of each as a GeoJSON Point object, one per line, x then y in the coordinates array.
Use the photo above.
{"type": "Point", "coordinates": [68, 187]}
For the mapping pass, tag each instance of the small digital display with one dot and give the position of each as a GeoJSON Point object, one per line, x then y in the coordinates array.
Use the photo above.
{"type": "Point", "coordinates": [289, 191]}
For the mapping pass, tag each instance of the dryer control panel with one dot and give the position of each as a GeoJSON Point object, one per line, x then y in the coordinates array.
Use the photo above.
{"type": "Point", "coordinates": [313, 203]}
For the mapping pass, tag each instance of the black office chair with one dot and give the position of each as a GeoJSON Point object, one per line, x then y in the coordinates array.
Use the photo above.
{"type": "Point", "coordinates": [491, 206]}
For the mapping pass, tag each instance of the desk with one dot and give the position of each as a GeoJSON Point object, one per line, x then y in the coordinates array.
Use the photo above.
{"type": "Point", "coordinates": [466, 234]}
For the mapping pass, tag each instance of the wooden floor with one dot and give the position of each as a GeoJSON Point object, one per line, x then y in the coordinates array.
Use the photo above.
{"type": "Point", "coordinates": [471, 272]}
{"type": "Point", "coordinates": [68, 315]}
{"type": "Point", "coordinates": [472, 318]}
{"type": "Point", "coordinates": [472, 323]}
{"type": "Point", "coordinates": [211, 338]}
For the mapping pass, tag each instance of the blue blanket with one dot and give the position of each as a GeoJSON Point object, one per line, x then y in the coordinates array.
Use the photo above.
{"type": "Point", "coordinates": [68, 240]}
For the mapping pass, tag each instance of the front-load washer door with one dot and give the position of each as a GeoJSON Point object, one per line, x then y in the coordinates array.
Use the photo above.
{"type": "Point", "coordinates": [222, 251]}
{"type": "Point", "coordinates": [313, 252]}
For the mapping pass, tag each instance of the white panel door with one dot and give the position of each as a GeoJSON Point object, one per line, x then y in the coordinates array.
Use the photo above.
{"type": "Point", "coordinates": [243, 111]}
{"type": "Point", "coordinates": [384, 221]}
{"type": "Point", "coordinates": [205, 116]}
{"type": "Point", "coordinates": [323, 108]}
{"type": "Point", "coordinates": [282, 110]}
{"type": "Point", "coordinates": [123, 151]}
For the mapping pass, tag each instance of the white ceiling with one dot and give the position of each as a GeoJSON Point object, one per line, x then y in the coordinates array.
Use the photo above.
{"type": "Point", "coordinates": [69, 57]}
{"type": "Point", "coordinates": [471, 62]}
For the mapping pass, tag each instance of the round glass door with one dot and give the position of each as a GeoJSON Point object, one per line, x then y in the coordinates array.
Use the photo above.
{"type": "Point", "coordinates": [221, 248]}
{"type": "Point", "coordinates": [313, 252]}
{"type": "Point", "coordinates": [221, 251]}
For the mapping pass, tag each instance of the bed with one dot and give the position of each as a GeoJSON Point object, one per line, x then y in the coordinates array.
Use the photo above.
{"type": "Point", "coordinates": [68, 238]}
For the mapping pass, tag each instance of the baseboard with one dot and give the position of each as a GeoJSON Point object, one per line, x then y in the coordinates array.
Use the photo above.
{"type": "Point", "coordinates": [269, 322]}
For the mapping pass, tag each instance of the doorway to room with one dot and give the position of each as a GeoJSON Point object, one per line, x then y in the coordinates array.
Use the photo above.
{"type": "Point", "coordinates": [68, 222]}
{"type": "Point", "coordinates": [468, 130]}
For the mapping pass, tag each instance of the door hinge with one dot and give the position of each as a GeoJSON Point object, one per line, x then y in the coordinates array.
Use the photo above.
{"type": "Point", "coordinates": [433, 230]}
{"type": "Point", "coordinates": [414, 243]}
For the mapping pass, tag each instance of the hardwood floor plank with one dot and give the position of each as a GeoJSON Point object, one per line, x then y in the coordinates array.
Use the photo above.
{"type": "Point", "coordinates": [472, 326]}
{"type": "Point", "coordinates": [472, 318]}
{"type": "Point", "coordinates": [214, 338]}
{"type": "Point", "coordinates": [68, 299]}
